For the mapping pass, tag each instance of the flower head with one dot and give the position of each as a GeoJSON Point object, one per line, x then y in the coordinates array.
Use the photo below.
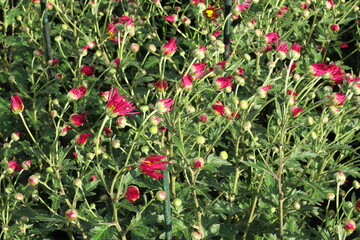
{"type": "Point", "coordinates": [76, 93]}
{"type": "Point", "coordinates": [169, 48]}
{"type": "Point", "coordinates": [349, 226]}
{"type": "Point", "coordinates": [82, 138]}
{"type": "Point", "coordinates": [17, 105]}
{"type": "Point", "coordinates": [211, 13]}
{"type": "Point", "coordinates": [164, 105]}
{"type": "Point", "coordinates": [117, 105]}
{"type": "Point", "coordinates": [171, 18]}
{"type": "Point", "coordinates": [186, 81]}
{"type": "Point", "coordinates": [71, 214]}
{"type": "Point", "coordinates": [87, 70]}
{"type": "Point", "coordinates": [223, 82]}
{"type": "Point", "coordinates": [237, 9]}
{"type": "Point", "coordinates": [78, 119]}
{"type": "Point", "coordinates": [161, 85]}
{"type": "Point", "coordinates": [132, 194]}
{"type": "Point", "coordinates": [337, 99]}
{"type": "Point", "coordinates": [296, 110]}
{"type": "Point", "coordinates": [13, 167]}
{"type": "Point", "coordinates": [198, 69]}
{"type": "Point", "coordinates": [152, 166]}
{"type": "Point", "coordinates": [271, 37]}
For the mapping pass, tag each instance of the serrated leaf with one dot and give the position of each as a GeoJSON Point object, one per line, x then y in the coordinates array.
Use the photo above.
{"type": "Point", "coordinates": [102, 232]}
{"type": "Point", "coordinates": [151, 62]}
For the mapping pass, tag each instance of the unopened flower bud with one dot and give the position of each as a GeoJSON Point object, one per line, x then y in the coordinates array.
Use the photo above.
{"type": "Point", "coordinates": [224, 155]}
{"type": "Point", "coordinates": [244, 104]}
{"type": "Point", "coordinates": [177, 202]}
{"type": "Point", "coordinates": [90, 156]}
{"type": "Point", "coordinates": [349, 226]}
{"type": "Point", "coordinates": [71, 214]}
{"type": "Point", "coordinates": [144, 108]}
{"type": "Point", "coordinates": [152, 48]}
{"type": "Point", "coordinates": [356, 184]}
{"type": "Point", "coordinates": [19, 196]}
{"type": "Point", "coordinates": [247, 126]}
{"type": "Point", "coordinates": [297, 205]}
{"type": "Point", "coordinates": [154, 130]}
{"type": "Point", "coordinates": [160, 195]}
{"type": "Point", "coordinates": [134, 47]}
{"type": "Point", "coordinates": [200, 140]}
{"type": "Point", "coordinates": [330, 196]}
{"type": "Point", "coordinates": [340, 177]}
{"type": "Point", "coordinates": [33, 180]}
{"type": "Point", "coordinates": [77, 182]}
{"type": "Point", "coordinates": [196, 236]}
{"type": "Point", "coordinates": [15, 136]}
{"type": "Point", "coordinates": [58, 39]}
{"type": "Point", "coordinates": [115, 143]}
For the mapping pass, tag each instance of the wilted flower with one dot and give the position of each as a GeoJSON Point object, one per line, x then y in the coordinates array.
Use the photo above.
{"type": "Point", "coordinates": [118, 105]}
{"type": "Point", "coordinates": [17, 105]}
{"type": "Point", "coordinates": [152, 166]}
{"type": "Point", "coordinates": [132, 194]}
{"type": "Point", "coordinates": [76, 93]}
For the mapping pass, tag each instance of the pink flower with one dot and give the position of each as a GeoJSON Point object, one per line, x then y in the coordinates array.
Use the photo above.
{"type": "Point", "coordinates": [161, 85]}
{"type": "Point", "coordinates": [82, 138]}
{"type": "Point", "coordinates": [171, 18]}
{"type": "Point", "coordinates": [169, 48]}
{"type": "Point", "coordinates": [78, 119]}
{"type": "Point", "coordinates": [87, 70]}
{"type": "Point", "coordinates": [186, 81]}
{"type": "Point", "coordinates": [296, 47]}
{"type": "Point", "coordinates": [111, 29]}
{"type": "Point", "coordinates": [329, 71]}
{"type": "Point", "coordinates": [118, 105]}
{"type": "Point", "coordinates": [241, 7]}
{"type": "Point", "coordinates": [203, 118]}
{"type": "Point", "coordinates": [17, 105]}
{"type": "Point", "coordinates": [344, 45]}
{"type": "Point", "coordinates": [262, 92]}
{"type": "Point", "coordinates": [271, 37]}
{"type": "Point", "coordinates": [282, 47]}
{"type": "Point", "coordinates": [296, 110]}
{"type": "Point", "coordinates": [216, 34]}
{"type": "Point", "coordinates": [13, 167]}
{"type": "Point", "coordinates": [53, 62]}
{"type": "Point", "coordinates": [132, 194]}
{"type": "Point", "coordinates": [349, 226]}
{"type": "Point", "coordinates": [152, 166]}
{"type": "Point", "coordinates": [218, 108]}
{"type": "Point", "coordinates": [195, 2]}
{"type": "Point", "coordinates": [127, 22]}
{"type": "Point", "coordinates": [164, 105]}
{"type": "Point", "coordinates": [318, 69]}
{"type": "Point", "coordinates": [335, 27]}
{"type": "Point", "coordinates": [92, 178]}
{"type": "Point", "coordinates": [115, 63]}
{"type": "Point", "coordinates": [198, 69]}
{"type": "Point", "coordinates": [337, 99]}
{"type": "Point", "coordinates": [268, 48]}
{"type": "Point", "coordinates": [329, 4]}
{"type": "Point", "coordinates": [291, 93]}
{"type": "Point", "coordinates": [71, 214]}
{"type": "Point", "coordinates": [223, 82]}
{"type": "Point", "coordinates": [198, 163]}
{"type": "Point", "coordinates": [76, 93]}
{"type": "Point", "coordinates": [64, 130]}
{"type": "Point", "coordinates": [240, 71]}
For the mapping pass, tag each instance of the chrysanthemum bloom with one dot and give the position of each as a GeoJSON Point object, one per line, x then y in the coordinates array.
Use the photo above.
{"type": "Point", "coordinates": [127, 23]}
{"type": "Point", "coordinates": [218, 108]}
{"type": "Point", "coordinates": [281, 50]}
{"type": "Point", "coordinates": [331, 71]}
{"type": "Point", "coordinates": [294, 52]}
{"type": "Point", "coordinates": [17, 105]}
{"type": "Point", "coordinates": [169, 48]}
{"type": "Point", "coordinates": [71, 214]}
{"type": "Point", "coordinates": [219, 67]}
{"type": "Point", "coordinates": [198, 70]}
{"type": "Point", "coordinates": [164, 105]}
{"type": "Point", "coordinates": [271, 37]}
{"type": "Point", "coordinates": [240, 71]}
{"type": "Point", "coordinates": [172, 18]}
{"type": "Point", "coordinates": [152, 166]}
{"type": "Point", "coordinates": [211, 13]}
{"type": "Point", "coordinates": [238, 8]}
{"type": "Point", "coordinates": [64, 130]}
{"type": "Point", "coordinates": [87, 70]}
{"type": "Point", "coordinates": [296, 110]}
{"type": "Point", "coordinates": [132, 194]}
{"type": "Point", "coordinates": [161, 85]}
{"type": "Point", "coordinates": [53, 62]}
{"type": "Point", "coordinates": [223, 82]}
{"type": "Point", "coordinates": [349, 226]}
{"type": "Point", "coordinates": [13, 167]}
{"type": "Point", "coordinates": [108, 132]}
{"type": "Point", "coordinates": [78, 119]}
{"type": "Point", "coordinates": [337, 99]}
{"type": "Point", "coordinates": [344, 45]}
{"type": "Point", "coordinates": [335, 27]}
{"type": "Point", "coordinates": [82, 138]}
{"type": "Point", "coordinates": [262, 92]}
{"type": "Point", "coordinates": [268, 48]}
{"type": "Point", "coordinates": [117, 105]}
{"type": "Point", "coordinates": [186, 81]}
{"type": "Point", "coordinates": [76, 93]}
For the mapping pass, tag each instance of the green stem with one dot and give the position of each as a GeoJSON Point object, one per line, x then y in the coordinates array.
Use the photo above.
{"type": "Point", "coordinates": [167, 208]}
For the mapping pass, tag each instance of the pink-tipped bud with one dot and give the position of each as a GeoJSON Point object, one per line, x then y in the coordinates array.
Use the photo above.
{"type": "Point", "coordinates": [349, 226]}
{"type": "Point", "coordinates": [71, 214]}
{"type": "Point", "coordinates": [340, 177]}
{"type": "Point", "coordinates": [15, 136]}
{"type": "Point", "coordinates": [160, 195]}
{"type": "Point", "coordinates": [33, 180]}
{"type": "Point", "coordinates": [198, 162]}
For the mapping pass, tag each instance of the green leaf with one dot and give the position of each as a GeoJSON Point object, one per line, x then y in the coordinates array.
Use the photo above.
{"type": "Point", "coordinates": [259, 166]}
{"type": "Point", "coordinates": [151, 61]}
{"type": "Point", "coordinates": [222, 206]}
{"type": "Point", "coordinates": [102, 232]}
{"type": "Point", "coordinates": [179, 145]}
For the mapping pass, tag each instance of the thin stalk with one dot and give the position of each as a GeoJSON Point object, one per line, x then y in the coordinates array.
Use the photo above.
{"type": "Point", "coordinates": [167, 208]}
{"type": "Point", "coordinates": [227, 28]}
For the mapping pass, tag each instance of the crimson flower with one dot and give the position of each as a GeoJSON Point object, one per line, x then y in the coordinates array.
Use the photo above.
{"type": "Point", "coordinates": [169, 48]}
{"type": "Point", "coordinates": [64, 130]}
{"type": "Point", "coordinates": [337, 99]}
{"type": "Point", "coordinates": [87, 70]}
{"type": "Point", "coordinates": [82, 138]}
{"type": "Point", "coordinates": [13, 167]}
{"type": "Point", "coordinates": [171, 18]}
{"type": "Point", "coordinates": [186, 81]}
{"type": "Point", "coordinates": [17, 105]}
{"type": "Point", "coordinates": [92, 178]}
{"type": "Point", "coordinates": [76, 93]}
{"type": "Point", "coordinates": [198, 69]}
{"type": "Point", "coordinates": [161, 85]}
{"type": "Point", "coordinates": [223, 82]}
{"type": "Point", "coordinates": [263, 91]}
{"type": "Point", "coordinates": [211, 13]}
{"type": "Point", "coordinates": [78, 119]}
{"type": "Point", "coordinates": [296, 110]}
{"type": "Point", "coordinates": [349, 226]}
{"type": "Point", "coordinates": [329, 71]}
{"type": "Point", "coordinates": [219, 108]}
{"type": "Point", "coordinates": [132, 194]}
{"type": "Point", "coordinates": [241, 7]}
{"type": "Point", "coordinates": [117, 105]}
{"type": "Point", "coordinates": [152, 166]}
{"type": "Point", "coordinates": [271, 37]}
